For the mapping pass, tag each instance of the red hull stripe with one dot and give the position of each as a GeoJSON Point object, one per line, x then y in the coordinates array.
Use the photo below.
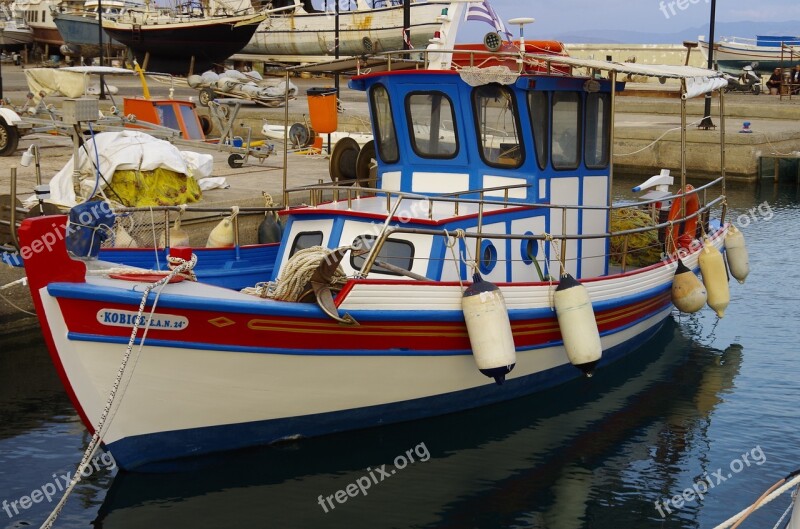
{"type": "Point", "coordinates": [246, 330]}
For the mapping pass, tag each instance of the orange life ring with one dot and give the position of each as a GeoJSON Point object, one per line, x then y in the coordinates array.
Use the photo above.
{"type": "Point", "coordinates": [683, 233]}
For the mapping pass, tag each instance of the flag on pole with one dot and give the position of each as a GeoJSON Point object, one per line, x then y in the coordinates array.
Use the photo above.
{"type": "Point", "coordinates": [483, 12]}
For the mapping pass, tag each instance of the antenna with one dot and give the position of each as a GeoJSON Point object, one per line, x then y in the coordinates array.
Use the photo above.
{"type": "Point", "coordinates": [521, 22]}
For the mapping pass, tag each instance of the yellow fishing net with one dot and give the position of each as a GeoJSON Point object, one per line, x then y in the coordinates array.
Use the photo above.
{"type": "Point", "coordinates": [643, 249]}
{"type": "Point", "coordinates": [161, 187]}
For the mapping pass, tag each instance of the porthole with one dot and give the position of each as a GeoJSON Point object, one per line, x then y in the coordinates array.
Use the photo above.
{"type": "Point", "coordinates": [488, 257]}
{"type": "Point", "coordinates": [528, 249]}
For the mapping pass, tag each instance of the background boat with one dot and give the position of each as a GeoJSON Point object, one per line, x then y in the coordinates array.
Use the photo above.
{"type": "Point", "coordinates": [16, 34]}
{"type": "Point", "coordinates": [38, 15]}
{"type": "Point", "coordinates": [374, 26]}
{"type": "Point", "coordinates": [182, 41]}
{"type": "Point", "coordinates": [764, 53]}
{"type": "Point", "coordinates": [80, 32]}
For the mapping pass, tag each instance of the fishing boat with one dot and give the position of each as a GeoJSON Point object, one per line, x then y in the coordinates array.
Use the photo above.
{"type": "Point", "coordinates": [297, 28]}
{"type": "Point", "coordinates": [16, 34]}
{"type": "Point", "coordinates": [185, 40]}
{"type": "Point", "coordinates": [80, 31]}
{"type": "Point", "coordinates": [476, 268]}
{"type": "Point", "coordinates": [764, 53]}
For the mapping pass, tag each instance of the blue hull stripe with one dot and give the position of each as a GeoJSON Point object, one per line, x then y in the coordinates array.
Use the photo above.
{"type": "Point", "coordinates": [135, 451]}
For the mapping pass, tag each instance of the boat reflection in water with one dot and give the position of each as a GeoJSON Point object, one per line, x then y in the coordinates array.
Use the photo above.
{"type": "Point", "coordinates": [555, 459]}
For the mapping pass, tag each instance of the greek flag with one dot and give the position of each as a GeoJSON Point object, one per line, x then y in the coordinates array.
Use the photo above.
{"type": "Point", "coordinates": [483, 12]}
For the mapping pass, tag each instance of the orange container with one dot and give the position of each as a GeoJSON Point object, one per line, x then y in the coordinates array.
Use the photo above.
{"type": "Point", "coordinates": [322, 109]}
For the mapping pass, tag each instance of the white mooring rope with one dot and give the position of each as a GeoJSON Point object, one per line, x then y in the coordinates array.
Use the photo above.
{"type": "Point", "coordinates": [793, 480]}
{"type": "Point", "coordinates": [103, 423]}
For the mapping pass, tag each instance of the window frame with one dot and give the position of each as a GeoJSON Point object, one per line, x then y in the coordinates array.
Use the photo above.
{"type": "Point", "coordinates": [410, 125]}
{"type": "Point", "coordinates": [377, 268]}
{"type": "Point", "coordinates": [579, 133]}
{"type": "Point", "coordinates": [543, 158]}
{"type": "Point", "coordinates": [476, 117]}
{"type": "Point", "coordinates": [379, 143]}
{"type": "Point", "coordinates": [605, 128]}
{"type": "Point", "coordinates": [294, 248]}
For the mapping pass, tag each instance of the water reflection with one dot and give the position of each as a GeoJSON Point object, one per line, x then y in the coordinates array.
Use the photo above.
{"type": "Point", "coordinates": [556, 459]}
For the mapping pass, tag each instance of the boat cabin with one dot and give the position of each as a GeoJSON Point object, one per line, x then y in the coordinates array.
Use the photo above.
{"type": "Point", "coordinates": [463, 153]}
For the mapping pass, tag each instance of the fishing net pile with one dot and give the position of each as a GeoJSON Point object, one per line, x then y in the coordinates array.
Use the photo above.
{"type": "Point", "coordinates": [643, 248]}
{"type": "Point", "coordinates": [133, 168]}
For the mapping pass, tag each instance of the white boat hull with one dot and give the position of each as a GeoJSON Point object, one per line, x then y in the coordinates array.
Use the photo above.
{"type": "Point", "coordinates": [313, 34]}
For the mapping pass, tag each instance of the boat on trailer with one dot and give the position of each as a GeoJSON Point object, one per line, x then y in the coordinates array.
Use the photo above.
{"type": "Point", "coordinates": [764, 53]}
{"type": "Point", "coordinates": [483, 247]}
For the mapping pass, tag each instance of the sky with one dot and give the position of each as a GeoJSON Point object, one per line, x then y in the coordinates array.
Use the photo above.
{"type": "Point", "coordinates": [563, 16]}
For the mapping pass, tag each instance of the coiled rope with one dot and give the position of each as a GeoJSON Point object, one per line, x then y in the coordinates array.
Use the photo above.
{"type": "Point", "coordinates": [295, 275]}
{"type": "Point", "coordinates": [107, 416]}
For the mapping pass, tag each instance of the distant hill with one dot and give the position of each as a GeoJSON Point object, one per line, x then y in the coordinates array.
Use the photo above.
{"type": "Point", "coordinates": [723, 29]}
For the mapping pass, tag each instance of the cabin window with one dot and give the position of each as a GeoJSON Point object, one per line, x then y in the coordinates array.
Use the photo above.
{"type": "Point", "coordinates": [393, 252]}
{"type": "Point", "coordinates": [168, 116]}
{"type": "Point", "coordinates": [432, 125]}
{"type": "Point", "coordinates": [498, 126]}
{"type": "Point", "coordinates": [385, 134]}
{"type": "Point", "coordinates": [306, 239]}
{"type": "Point", "coordinates": [598, 130]}
{"type": "Point", "coordinates": [566, 135]}
{"type": "Point", "coordinates": [539, 108]}
{"type": "Point", "coordinates": [190, 121]}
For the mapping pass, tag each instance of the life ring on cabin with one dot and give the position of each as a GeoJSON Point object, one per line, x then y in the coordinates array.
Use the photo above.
{"type": "Point", "coordinates": [683, 232]}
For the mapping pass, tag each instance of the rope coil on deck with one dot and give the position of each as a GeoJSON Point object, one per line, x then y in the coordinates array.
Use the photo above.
{"type": "Point", "coordinates": [296, 274]}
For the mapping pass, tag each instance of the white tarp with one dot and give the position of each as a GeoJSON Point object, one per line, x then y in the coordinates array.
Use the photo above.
{"type": "Point", "coordinates": [696, 86]}
{"type": "Point", "coordinates": [54, 82]}
{"type": "Point", "coordinates": [125, 150]}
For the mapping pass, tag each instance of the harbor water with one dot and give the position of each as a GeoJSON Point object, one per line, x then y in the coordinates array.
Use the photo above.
{"type": "Point", "coordinates": [684, 433]}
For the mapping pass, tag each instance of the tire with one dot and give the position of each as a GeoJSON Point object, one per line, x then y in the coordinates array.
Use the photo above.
{"type": "Point", "coordinates": [235, 161]}
{"type": "Point", "coordinates": [757, 89]}
{"type": "Point", "coordinates": [9, 138]}
{"type": "Point", "coordinates": [205, 124]}
{"type": "Point", "coordinates": [206, 95]}
{"type": "Point", "coordinates": [342, 166]}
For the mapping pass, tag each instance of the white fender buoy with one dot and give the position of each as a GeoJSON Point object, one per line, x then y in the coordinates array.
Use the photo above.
{"type": "Point", "coordinates": [736, 254]}
{"type": "Point", "coordinates": [715, 278]}
{"type": "Point", "coordinates": [222, 234]}
{"type": "Point", "coordinates": [122, 239]}
{"type": "Point", "coordinates": [578, 325]}
{"type": "Point", "coordinates": [489, 329]}
{"type": "Point", "coordinates": [177, 236]}
{"type": "Point", "coordinates": [688, 293]}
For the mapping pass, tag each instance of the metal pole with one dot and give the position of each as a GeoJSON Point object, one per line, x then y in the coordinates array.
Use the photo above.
{"type": "Point", "coordinates": [707, 123]}
{"type": "Point", "coordinates": [611, 137]}
{"type": "Point", "coordinates": [683, 151]}
{"type": "Point", "coordinates": [285, 140]}
{"type": "Point", "coordinates": [100, 43]}
{"type": "Point", "coordinates": [722, 151]}
{"type": "Point", "coordinates": [406, 24]}
{"type": "Point", "coordinates": [336, 56]}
